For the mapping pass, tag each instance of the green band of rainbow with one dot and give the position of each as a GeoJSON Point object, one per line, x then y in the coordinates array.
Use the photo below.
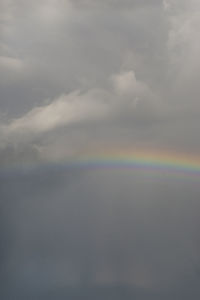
{"type": "Point", "coordinates": [165, 161]}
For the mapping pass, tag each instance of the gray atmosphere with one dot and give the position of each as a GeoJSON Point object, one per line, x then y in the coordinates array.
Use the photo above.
{"type": "Point", "coordinates": [80, 77]}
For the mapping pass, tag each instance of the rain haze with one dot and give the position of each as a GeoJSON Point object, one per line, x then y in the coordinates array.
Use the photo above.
{"type": "Point", "coordinates": [99, 149]}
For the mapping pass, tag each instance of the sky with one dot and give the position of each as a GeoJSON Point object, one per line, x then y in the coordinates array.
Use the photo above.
{"type": "Point", "coordinates": [81, 78]}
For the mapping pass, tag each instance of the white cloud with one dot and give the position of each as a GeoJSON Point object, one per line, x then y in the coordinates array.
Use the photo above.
{"type": "Point", "coordinates": [77, 107]}
{"type": "Point", "coordinates": [132, 94]}
{"type": "Point", "coordinates": [66, 109]}
{"type": "Point", "coordinates": [100, 105]}
{"type": "Point", "coordinates": [125, 83]}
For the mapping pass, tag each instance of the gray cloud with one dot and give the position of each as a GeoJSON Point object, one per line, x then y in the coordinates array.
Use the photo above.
{"type": "Point", "coordinates": [127, 4]}
{"type": "Point", "coordinates": [68, 227]}
{"type": "Point", "coordinates": [81, 76]}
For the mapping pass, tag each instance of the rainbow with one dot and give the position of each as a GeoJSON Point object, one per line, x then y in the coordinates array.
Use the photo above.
{"type": "Point", "coordinates": [165, 161]}
{"type": "Point", "coordinates": [152, 160]}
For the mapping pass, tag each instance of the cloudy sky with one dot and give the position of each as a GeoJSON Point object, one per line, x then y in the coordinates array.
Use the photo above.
{"type": "Point", "coordinates": [77, 76]}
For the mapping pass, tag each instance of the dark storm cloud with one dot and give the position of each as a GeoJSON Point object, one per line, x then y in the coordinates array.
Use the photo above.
{"type": "Point", "coordinates": [91, 228]}
{"type": "Point", "coordinates": [76, 76]}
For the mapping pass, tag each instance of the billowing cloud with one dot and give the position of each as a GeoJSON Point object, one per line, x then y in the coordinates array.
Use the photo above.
{"type": "Point", "coordinates": [126, 96]}
{"type": "Point", "coordinates": [126, 83]}
{"type": "Point", "coordinates": [62, 111]}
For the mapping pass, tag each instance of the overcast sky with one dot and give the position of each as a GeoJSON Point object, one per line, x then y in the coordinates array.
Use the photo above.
{"type": "Point", "coordinates": [82, 75]}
